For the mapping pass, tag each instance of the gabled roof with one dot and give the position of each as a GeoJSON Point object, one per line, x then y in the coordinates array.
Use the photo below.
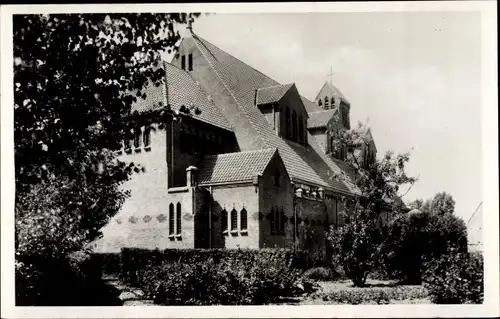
{"type": "Point", "coordinates": [179, 89]}
{"type": "Point", "coordinates": [331, 90]}
{"type": "Point", "coordinates": [304, 164]}
{"type": "Point", "coordinates": [234, 167]}
{"type": "Point", "coordinates": [182, 89]}
{"type": "Point", "coordinates": [310, 105]}
{"type": "Point", "coordinates": [320, 119]}
{"type": "Point", "coordinates": [271, 94]}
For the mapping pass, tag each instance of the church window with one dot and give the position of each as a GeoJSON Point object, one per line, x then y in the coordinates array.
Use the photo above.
{"type": "Point", "coordinates": [183, 62]}
{"type": "Point", "coordinates": [243, 220]}
{"type": "Point", "coordinates": [282, 220]}
{"type": "Point", "coordinates": [320, 102]}
{"type": "Point", "coordinates": [301, 129]}
{"type": "Point", "coordinates": [171, 219]}
{"type": "Point", "coordinates": [326, 103]}
{"type": "Point", "coordinates": [277, 178]}
{"type": "Point", "coordinates": [288, 123]}
{"type": "Point", "coordinates": [332, 103]}
{"type": "Point", "coordinates": [294, 126]}
{"type": "Point", "coordinates": [224, 220]}
{"type": "Point", "coordinates": [179, 219]}
{"type": "Point", "coordinates": [190, 62]}
{"type": "Point", "coordinates": [146, 137]}
{"type": "Point", "coordinates": [234, 219]}
{"type": "Point", "coordinates": [137, 138]}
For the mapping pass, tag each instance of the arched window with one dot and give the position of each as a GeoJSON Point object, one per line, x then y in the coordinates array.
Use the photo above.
{"type": "Point", "coordinates": [224, 220]}
{"type": "Point", "coordinates": [332, 104]}
{"type": "Point", "coordinates": [273, 220]}
{"type": "Point", "coordinates": [171, 219]}
{"type": "Point", "coordinates": [326, 103]}
{"type": "Point", "coordinates": [190, 62]}
{"type": "Point", "coordinates": [179, 219]}
{"type": "Point", "coordinates": [288, 123]}
{"type": "Point", "coordinates": [282, 220]}
{"type": "Point", "coordinates": [146, 137]}
{"type": "Point", "coordinates": [243, 220]}
{"type": "Point", "coordinates": [301, 129]}
{"type": "Point", "coordinates": [320, 103]}
{"type": "Point", "coordinates": [294, 125]}
{"type": "Point", "coordinates": [234, 219]}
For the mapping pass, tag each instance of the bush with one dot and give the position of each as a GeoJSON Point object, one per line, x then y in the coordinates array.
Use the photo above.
{"type": "Point", "coordinates": [323, 274]}
{"type": "Point", "coordinates": [419, 237]}
{"type": "Point", "coordinates": [71, 281]}
{"type": "Point", "coordinates": [456, 278]}
{"type": "Point", "coordinates": [133, 260]}
{"type": "Point", "coordinates": [373, 295]}
{"type": "Point", "coordinates": [242, 279]}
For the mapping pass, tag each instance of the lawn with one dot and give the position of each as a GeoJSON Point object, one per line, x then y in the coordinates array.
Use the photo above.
{"type": "Point", "coordinates": [376, 292]}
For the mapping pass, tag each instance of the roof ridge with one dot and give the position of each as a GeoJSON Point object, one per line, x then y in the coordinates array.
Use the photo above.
{"type": "Point", "coordinates": [227, 87]}
{"type": "Point", "coordinates": [329, 110]}
{"type": "Point", "coordinates": [275, 86]}
{"type": "Point", "coordinates": [264, 150]}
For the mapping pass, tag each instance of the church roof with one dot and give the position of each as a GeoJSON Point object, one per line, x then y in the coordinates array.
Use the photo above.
{"type": "Point", "coordinates": [305, 164]}
{"type": "Point", "coordinates": [181, 89]}
{"type": "Point", "coordinates": [320, 119]}
{"type": "Point", "coordinates": [329, 89]}
{"type": "Point", "coordinates": [234, 167]}
{"type": "Point", "coordinates": [271, 94]}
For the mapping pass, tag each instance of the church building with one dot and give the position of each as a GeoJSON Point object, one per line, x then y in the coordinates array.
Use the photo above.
{"type": "Point", "coordinates": [254, 169]}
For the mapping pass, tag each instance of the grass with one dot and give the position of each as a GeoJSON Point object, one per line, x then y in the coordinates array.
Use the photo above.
{"type": "Point", "coordinates": [376, 292]}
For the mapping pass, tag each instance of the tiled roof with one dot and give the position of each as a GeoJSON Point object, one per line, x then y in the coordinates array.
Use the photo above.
{"type": "Point", "coordinates": [320, 119]}
{"type": "Point", "coordinates": [302, 163]}
{"type": "Point", "coordinates": [180, 89]}
{"type": "Point", "coordinates": [331, 90]}
{"type": "Point", "coordinates": [310, 105]}
{"type": "Point", "coordinates": [234, 167]}
{"type": "Point", "coordinates": [271, 94]}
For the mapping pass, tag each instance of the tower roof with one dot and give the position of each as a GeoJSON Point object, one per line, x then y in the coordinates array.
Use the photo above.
{"type": "Point", "coordinates": [329, 89]}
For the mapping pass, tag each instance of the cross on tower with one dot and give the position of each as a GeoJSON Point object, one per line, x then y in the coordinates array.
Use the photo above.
{"type": "Point", "coordinates": [330, 75]}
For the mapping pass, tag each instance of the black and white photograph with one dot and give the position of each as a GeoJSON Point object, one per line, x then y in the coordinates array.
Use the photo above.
{"type": "Point", "coordinates": [316, 158]}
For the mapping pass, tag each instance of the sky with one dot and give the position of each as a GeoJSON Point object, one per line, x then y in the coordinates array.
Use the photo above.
{"type": "Point", "coordinates": [415, 77]}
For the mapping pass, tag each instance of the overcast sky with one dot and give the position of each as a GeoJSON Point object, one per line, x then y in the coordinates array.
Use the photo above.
{"type": "Point", "coordinates": [415, 76]}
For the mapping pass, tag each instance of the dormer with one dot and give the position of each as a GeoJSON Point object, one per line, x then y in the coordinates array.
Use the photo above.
{"type": "Point", "coordinates": [284, 110]}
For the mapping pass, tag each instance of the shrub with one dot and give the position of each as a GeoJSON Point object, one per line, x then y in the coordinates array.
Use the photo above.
{"type": "Point", "coordinates": [373, 295]}
{"type": "Point", "coordinates": [243, 279]}
{"type": "Point", "coordinates": [455, 278]}
{"type": "Point", "coordinates": [419, 237]}
{"type": "Point", "coordinates": [323, 274]}
{"type": "Point", "coordinates": [133, 260]}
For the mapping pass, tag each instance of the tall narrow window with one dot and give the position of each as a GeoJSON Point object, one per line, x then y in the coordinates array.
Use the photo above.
{"type": "Point", "coordinates": [183, 62]}
{"type": "Point", "coordinates": [179, 219]}
{"type": "Point", "coordinates": [137, 137]}
{"type": "Point", "coordinates": [333, 103]}
{"type": "Point", "coordinates": [224, 220]}
{"type": "Point", "coordinates": [146, 137]}
{"type": "Point", "coordinates": [301, 129]}
{"type": "Point", "coordinates": [282, 220]}
{"type": "Point", "coordinates": [190, 62]}
{"type": "Point", "coordinates": [320, 103]}
{"type": "Point", "coordinates": [326, 103]}
{"type": "Point", "coordinates": [288, 123]}
{"type": "Point", "coordinates": [243, 220]}
{"type": "Point", "coordinates": [171, 219]}
{"type": "Point", "coordinates": [277, 178]}
{"type": "Point", "coordinates": [294, 125]}
{"type": "Point", "coordinates": [234, 219]}
{"type": "Point", "coordinates": [273, 220]}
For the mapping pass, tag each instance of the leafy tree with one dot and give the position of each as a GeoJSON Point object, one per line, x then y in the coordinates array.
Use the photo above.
{"type": "Point", "coordinates": [76, 78]}
{"type": "Point", "coordinates": [358, 244]}
{"type": "Point", "coordinates": [419, 237]}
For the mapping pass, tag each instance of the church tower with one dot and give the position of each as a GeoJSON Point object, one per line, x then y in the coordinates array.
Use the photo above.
{"type": "Point", "coordinates": [330, 97]}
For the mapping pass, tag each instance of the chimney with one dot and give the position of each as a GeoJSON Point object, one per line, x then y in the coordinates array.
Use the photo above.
{"type": "Point", "coordinates": [191, 177]}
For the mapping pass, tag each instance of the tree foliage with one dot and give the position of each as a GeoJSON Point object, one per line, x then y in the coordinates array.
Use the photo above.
{"type": "Point", "coordinates": [358, 244]}
{"type": "Point", "coordinates": [442, 203]}
{"type": "Point", "coordinates": [76, 77]}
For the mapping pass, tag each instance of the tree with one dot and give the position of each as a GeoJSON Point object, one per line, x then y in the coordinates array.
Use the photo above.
{"type": "Point", "coordinates": [358, 244]}
{"type": "Point", "coordinates": [76, 77]}
{"type": "Point", "coordinates": [417, 238]}
{"type": "Point", "coordinates": [442, 203]}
